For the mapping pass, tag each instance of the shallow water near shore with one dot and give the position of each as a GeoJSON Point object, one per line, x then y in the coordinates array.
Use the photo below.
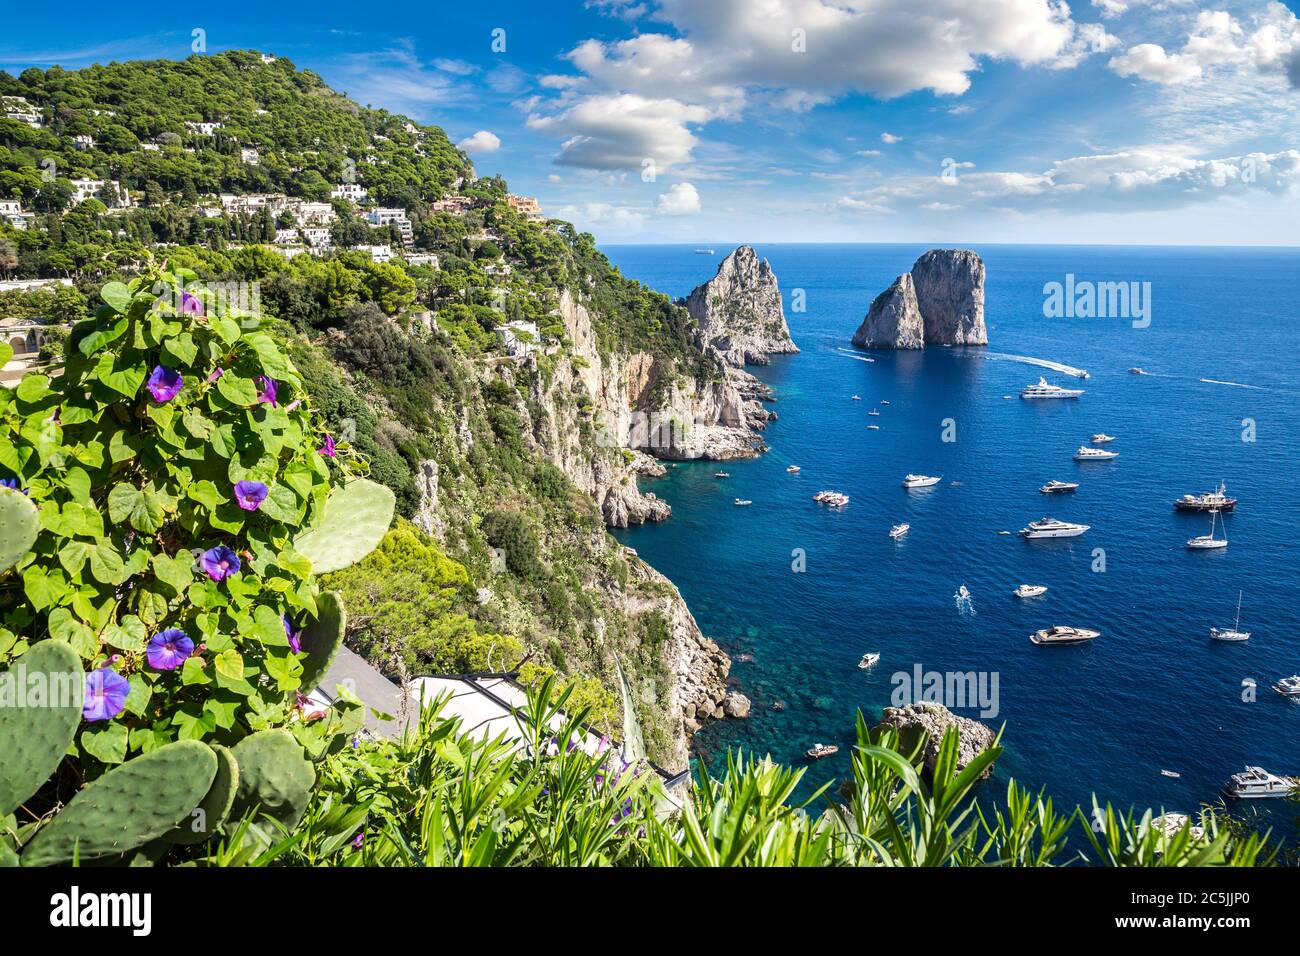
{"type": "Point", "coordinates": [1153, 692]}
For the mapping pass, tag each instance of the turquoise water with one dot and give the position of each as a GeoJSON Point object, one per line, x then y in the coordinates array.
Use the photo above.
{"type": "Point", "coordinates": [1153, 692]}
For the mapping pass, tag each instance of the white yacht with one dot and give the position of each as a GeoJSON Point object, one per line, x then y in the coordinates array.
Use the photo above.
{"type": "Point", "coordinates": [744, 501]}
{"type": "Point", "coordinates": [1234, 633]}
{"type": "Point", "coordinates": [898, 530]}
{"type": "Point", "coordinates": [1208, 542]}
{"type": "Point", "coordinates": [874, 411]}
{"type": "Point", "coordinates": [1101, 438]}
{"type": "Point", "coordinates": [1044, 390]}
{"type": "Point", "coordinates": [1051, 528]}
{"type": "Point", "coordinates": [869, 659]}
{"type": "Point", "coordinates": [1088, 453]}
{"type": "Point", "coordinates": [793, 470]}
{"type": "Point", "coordinates": [874, 428]}
{"type": "Point", "coordinates": [1030, 590]}
{"type": "Point", "coordinates": [1055, 487]}
{"type": "Point", "coordinates": [1256, 783]}
{"type": "Point", "coordinates": [1288, 686]}
{"type": "Point", "coordinates": [1060, 634]}
{"type": "Point", "coordinates": [921, 481]}
{"type": "Point", "coordinates": [857, 398]}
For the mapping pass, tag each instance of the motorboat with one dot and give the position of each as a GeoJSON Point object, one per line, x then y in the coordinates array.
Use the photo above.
{"type": "Point", "coordinates": [1060, 634]}
{"type": "Point", "coordinates": [1052, 528]}
{"type": "Point", "coordinates": [833, 498]}
{"type": "Point", "coordinates": [1256, 783]}
{"type": "Point", "coordinates": [1030, 590]}
{"type": "Point", "coordinates": [1208, 542]}
{"type": "Point", "coordinates": [1172, 774]}
{"type": "Point", "coordinates": [869, 659]}
{"type": "Point", "coordinates": [1137, 371]}
{"type": "Point", "coordinates": [817, 751]}
{"type": "Point", "coordinates": [744, 501]}
{"type": "Point", "coordinates": [857, 398]}
{"type": "Point", "coordinates": [1288, 686]}
{"type": "Point", "coordinates": [884, 401]}
{"type": "Point", "coordinates": [722, 474]}
{"type": "Point", "coordinates": [874, 428]}
{"type": "Point", "coordinates": [898, 530]}
{"type": "Point", "coordinates": [793, 470]}
{"type": "Point", "coordinates": [1088, 453]}
{"type": "Point", "coordinates": [1216, 500]}
{"type": "Point", "coordinates": [1042, 389]}
{"type": "Point", "coordinates": [1234, 633]}
{"type": "Point", "coordinates": [921, 481]}
{"type": "Point", "coordinates": [1101, 438]}
{"type": "Point", "coordinates": [1059, 487]}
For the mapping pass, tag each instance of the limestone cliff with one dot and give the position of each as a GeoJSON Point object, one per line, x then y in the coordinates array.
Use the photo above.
{"type": "Point", "coordinates": [950, 295]}
{"type": "Point", "coordinates": [894, 320]}
{"type": "Point", "coordinates": [739, 311]}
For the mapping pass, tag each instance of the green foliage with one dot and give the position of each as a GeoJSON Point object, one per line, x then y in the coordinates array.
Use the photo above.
{"type": "Point", "coordinates": [512, 533]}
{"type": "Point", "coordinates": [19, 525]}
{"type": "Point", "coordinates": [355, 519]}
{"type": "Point", "coordinates": [36, 733]}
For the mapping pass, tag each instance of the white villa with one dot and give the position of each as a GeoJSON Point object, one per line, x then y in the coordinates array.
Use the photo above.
{"type": "Point", "coordinates": [83, 142]}
{"type": "Point", "coordinates": [249, 156]}
{"type": "Point", "coordinates": [423, 259]}
{"type": "Point", "coordinates": [391, 217]}
{"type": "Point", "coordinates": [521, 338]}
{"type": "Point", "coordinates": [353, 192]}
{"type": "Point", "coordinates": [202, 129]}
{"type": "Point", "coordinates": [378, 253]}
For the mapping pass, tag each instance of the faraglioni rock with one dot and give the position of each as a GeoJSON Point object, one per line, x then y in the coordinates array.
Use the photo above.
{"type": "Point", "coordinates": [739, 311]}
{"type": "Point", "coordinates": [894, 320]}
{"type": "Point", "coordinates": [931, 720]}
{"type": "Point", "coordinates": [950, 294]}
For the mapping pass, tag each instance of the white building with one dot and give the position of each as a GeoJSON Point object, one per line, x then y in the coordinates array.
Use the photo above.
{"type": "Point", "coordinates": [311, 213]}
{"type": "Point", "coordinates": [352, 192]}
{"type": "Point", "coordinates": [286, 237]}
{"type": "Point", "coordinates": [12, 212]}
{"type": "Point", "coordinates": [456, 205]}
{"type": "Point", "coordinates": [521, 338]}
{"type": "Point", "coordinates": [498, 269]}
{"type": "Point", "coordinates": [249, 156]}
{"type": "Point", "coordinates": [83, 142]}
{"type": "Point", "coordinates": [423, 259]}
{"type": "Point", "coordinates": [392, 217]}
{"type": "Point", "coordinates": [317, 238]}
{"type": "Point", "coordinates": [202, 129]}
{"type": "Point", "coordinates": [378, 253]}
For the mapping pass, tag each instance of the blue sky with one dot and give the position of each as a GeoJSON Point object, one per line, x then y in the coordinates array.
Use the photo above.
{"type": "Point", "coordinates": [1109, 121]}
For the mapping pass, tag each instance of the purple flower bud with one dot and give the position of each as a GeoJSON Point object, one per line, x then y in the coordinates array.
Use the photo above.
{"type": "Point", "coordinates": [169, 649]}
{"type": "Point", "coordinates": [295, 637]}
{"type": "Point", "coordinates": [216, 374]}
{"type": "Point", "coordinates": [267, 395]}
{"type": "Point", "coordinates": [105, 696]}
{"type": "Point", "coordinates": [164, 383]}
{"type": "Point", "coordinates": [327, 449]}
{"type": "Point", "coordinates": [220, 562]}
{"type": "Point", "coordinates": [250, 494]}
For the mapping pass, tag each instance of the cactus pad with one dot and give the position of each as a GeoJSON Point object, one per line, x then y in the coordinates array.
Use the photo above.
{"type": "Point", "coordinates": [215, 806]}
{"type": "Point", "coordinates": [357, 516]}
{"type": "Point", "coordinates": [19, 526]}
{"type": "Point", "coordinates": [127, 807]}
{"type": "Point", "coordinates": [34, 738]}
{"type": "Point", "coordinates": [321, 638]}
{"type": "Point", "coordinates": [274, 775]}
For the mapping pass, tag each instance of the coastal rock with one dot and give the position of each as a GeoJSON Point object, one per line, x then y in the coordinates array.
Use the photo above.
{"type": "Point", "coordinates": [894, 320]}
{"type": "Point", "coordinates": [739, 311]}
{"type": "Point", "coordinates": [931, 720]}
{"type": "Point", "coordinates": [736, 705]}
{"type": "Point", "coordinates": [950, 295]}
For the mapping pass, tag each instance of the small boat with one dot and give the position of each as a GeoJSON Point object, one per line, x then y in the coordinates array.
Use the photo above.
{"type": "Point", "coordinates": [1288, 686]}
{"type": "Point", "coordinates": [704, 252]}
{"type": "Point", "coordinates": [898, 530]}
{"type": "Point", "coordinates": [1029, 590]}
{"type": "Point", "coordinates": [874, 411]}
{"type": "Point", "coordinates": [1174, 774]}
{"type": "Point", "coordinates": [1101, 438]}
{"type": "Point", "coordinates": [744, 501]}
{"type": "Point", "coordinates": [857, 398]}
{"type": "Point", "coordinates": [869, 659]}
{"type": "Point", "coordinates": [1208, 542]}
{"type": "Point", "coordinates": [1043, 390]}
{"type": "Point", "coordinates": [817, 751]}
{"type": "Point", "coordinates": [1052, 528]}
{"type": "Point", "coordinates": [722, 474]}
{"type": "Point", "coordinates": [1059, 634]}
{"type": "Point", "coordinates": [1234, 633]}
{"type": "Point", "coordinates": [1137, 371]}
{"type": "Point", "coordinates": [920, 481]}
{"type": "Point", "coordinates": [874, 428]}
{"type": "Point", "coordinates": [884, 401]}
{"type": "Point", "coordinates": [1216, 500]}
{"type": "Point", "coordinates": [1256, 783]}
{"type": "Point", "coordinates": [833, 498]}
{"type": "Point", "coordinates": [963, 593]}
{"type": "Point", "coordinates": [1055, 487]}
{"type": "Point", "coordinates": [1087, 453]}
{"type": "Point", "coordinates": [793, 470]}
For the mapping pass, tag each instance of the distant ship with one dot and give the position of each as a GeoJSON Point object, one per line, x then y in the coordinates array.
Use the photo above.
{"type": "Point", "coordinates": [1088, 453]}
{"type": "Point", "coordinates": [1055, 487]}
{"type": "Point", "coordinates": [1217, 500]}
{"type": "Point", "coordinates": [704, 252]}
{"type": "Point", "coordinates": [1060, 634]}
{"type": "Point", "coordinates": [1051, 528]}
{"type": "Point", "coordinates": [1043, 390]}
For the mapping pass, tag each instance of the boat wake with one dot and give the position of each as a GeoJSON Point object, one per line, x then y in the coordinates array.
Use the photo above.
{"type": "Point", "coordinates": [1215, 381]}
{"type": "Point", "coordinates": [849, 353]}
{"type": "Point", "coordinates": [964, 602]}
{"type": "Point", "coordinates": [1041, 363]}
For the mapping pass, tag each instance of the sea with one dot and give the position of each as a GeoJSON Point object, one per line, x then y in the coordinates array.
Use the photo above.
{"type": "Point", "coordinates": [797, 592]}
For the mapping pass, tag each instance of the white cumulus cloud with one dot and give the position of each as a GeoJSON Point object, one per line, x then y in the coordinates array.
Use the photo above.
{"type": "Point", "coordinates": [682, 199]}
{"type": "Point", "coordinates": [481, 142]}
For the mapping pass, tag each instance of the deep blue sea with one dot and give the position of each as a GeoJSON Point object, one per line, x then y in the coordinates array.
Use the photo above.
{"type": "Point", "coordinates": [1153, 692]}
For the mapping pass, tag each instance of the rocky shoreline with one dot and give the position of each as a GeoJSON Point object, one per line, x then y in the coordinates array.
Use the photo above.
{"type": "Point", "coordinates": [939, 302]}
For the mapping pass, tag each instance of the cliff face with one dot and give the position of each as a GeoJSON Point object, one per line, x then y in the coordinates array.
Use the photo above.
{"type": "Point", "coordinates": [894, 320]}
{"type": "Point", "coordinates": [950, 295]}
{"type": "Point", "coordinates": [739, 311]}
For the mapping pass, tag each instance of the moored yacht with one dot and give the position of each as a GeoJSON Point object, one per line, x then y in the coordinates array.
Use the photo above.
{"type": "Point", "coordinates": [1101, 438]}
{"type": "Point", "coordinates": [1052, 528]}
{"type": "Point", "coordinates": [874, 411]}
{"type": "Point", "coordinates": [857, 398]}
{"type": "Point", "coordinates": [793, 470]}
{"type": "Point", "coordinates": [1060, 634]}
{"type": "Point", "coordinates": [1042, 389]}
{"type": "Point", "coordinates": [1208, 542]}
{"type": "Point", "coordinates": [1256, 783]}
{"type": "Point", "coordinates": [744, 501]}
{"type": "Point", "coordinates": [1088, 453]}
{"type": "Point", "coordinates": [869, 659]}
{"type": "Point", "coordinates": [1216, 500]}
{"type": "Point", "coordinates": [1029, 590]}
{"type": "Point", "coordinates": [833, 498]}
{"type": "Point", "coordinates": [898, 530]}
{"type": "Point", "coordinates": [1234, 633]}
{"type": "Point", "coordinates": [1288, 686]}
{"type": "Point", "coordinates": [1059, 487]}
{"type": "Point", "coordinates": [921, 481]}
{"type": "Point", "coordinates": [817, 751]}
{"type": "Point", "coordinates": [722, 474]}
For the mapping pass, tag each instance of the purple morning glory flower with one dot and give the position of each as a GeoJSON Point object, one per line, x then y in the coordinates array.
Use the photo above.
{"type": "Point", "coordinates": [295, 637]}
{"type": "Point", "coordinates": [359, 839]}
{"type": "Point", "coordinates": [327, 449]}
{"type": "Point", "coordinates": [220, 562]}
{"type": "Point", "coordinates": [250, 494]}
{"type": "Point", "coordinates": [12, 483]}
{"type": "Point", "coordinates": [164, 383]}
{"type": "Point", "coordinates": [267, 395]}
{"type": "Point", "coordinates": [106, 692]}
{"type": "Point", "coordinates": [191, 305]}
{"type": "Point", "coordinates": [216, 374]}
{"type": "Point", "coordinates": [169, 649]}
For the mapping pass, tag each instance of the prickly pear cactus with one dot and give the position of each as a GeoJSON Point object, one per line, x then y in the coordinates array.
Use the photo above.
{"type": "Point", "coordinates": [274, 775]}
{"type": "Point", "coordinates": [356, 517]}
{"type": "Point", "coordinates": [34, 738]}
{"type": "Point", "coordinates": [127, 807]}
{"type": "Point", "coordinates": [321, 638]}
{"type": "Point", "coordinates": [209, 815]}
{"type": "Point", "coordinates": [19, 526]}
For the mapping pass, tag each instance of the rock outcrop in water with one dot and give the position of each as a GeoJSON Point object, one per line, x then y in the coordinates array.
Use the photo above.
{"type": "Point", "coordinates": [894, 320]}
{"type": "Point", "coordinates": [739, 311]}
{"type": "Point", "coordinates": [931, 720]}
{"type": "Point", "coordinates": [940, 302]}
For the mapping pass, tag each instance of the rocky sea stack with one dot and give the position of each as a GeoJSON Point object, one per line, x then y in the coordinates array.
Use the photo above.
{"type": "Point", "coordinates": [940, 302]}
{"type": "Point", "coordinates": [739, 311]}
{"type": "Point", "coordinates": [931, 720]}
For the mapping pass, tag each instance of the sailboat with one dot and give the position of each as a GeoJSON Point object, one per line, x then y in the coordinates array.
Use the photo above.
{"type": "Point", "coordinates": [1233, 634]}
{"type": "Point", "coordinates": [1209, 541]}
